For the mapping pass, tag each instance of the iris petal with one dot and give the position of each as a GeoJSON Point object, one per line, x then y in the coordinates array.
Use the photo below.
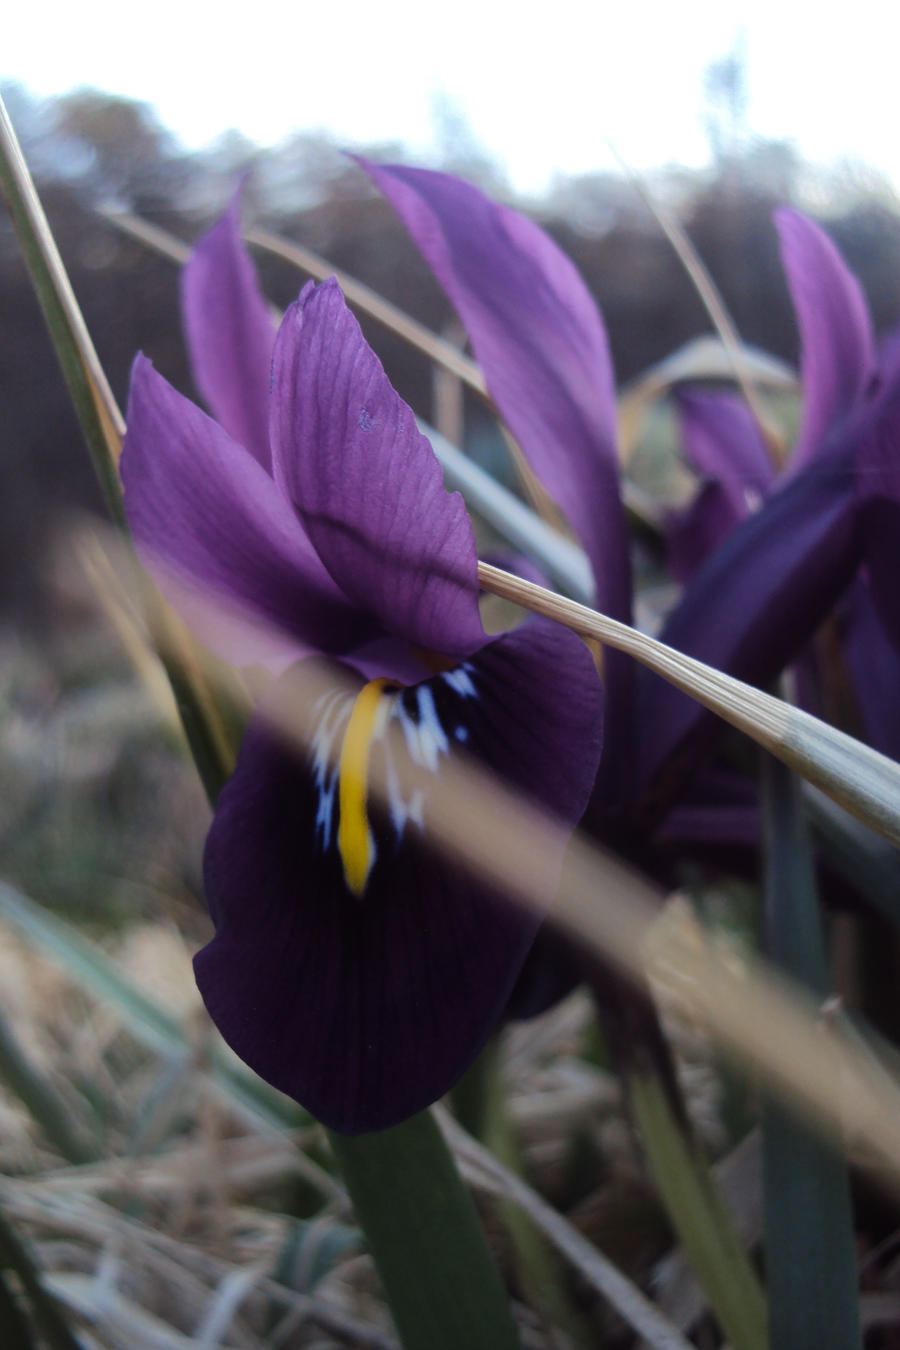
{"type": "Point", "coordinates": [837, 346]}
{"type": "Point", "coordinates": [367, 1008]}
{"type": "Point", "coordinates": [753, 605]}
{"type": "Point", "coordinates": [722, 442]}
{"type": "Point", "coordinates": [230, 334]}
{"type": "Point", "coordinates": [220, 538]}
{"type": "Point", "coordinates": [366, 482]}
{"type": "Point", "coordinates": [540, 341]}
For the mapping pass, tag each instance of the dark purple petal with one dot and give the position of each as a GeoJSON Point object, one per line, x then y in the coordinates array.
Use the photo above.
{"type": "Point", "coordinates": [752, 607]}
{"type": "Point", "coordinates": [347, 451]}
{"type": "Point", "coordinates": [719, 809]}
{"type": "Point", "coordinates": [367, 1008]}
{"type": "Point", "coordinates": [540, 341]}
{"type": "Point", "coordinates": [836, 343]}
{"type": "Point", "coordinates": [212, 526]}
{"type": "Point", "coordinates": [230, 333]}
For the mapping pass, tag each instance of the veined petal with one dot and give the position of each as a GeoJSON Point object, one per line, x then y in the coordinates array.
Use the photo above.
{"type": "Point", "coordinates": [366, 482]}
{"type": "Point", "coordinates": [366, 1006]}
{"type": "Point", "coordinates": [753, 605]}
{"type": "Point", "coordinates": [837, 348]}
{"type": "Point", "coordinates": [210, 523]}
{"type": "Point", "coordinates": [230, 334]}
{"type": "Point", "coordinates": [541, 343]}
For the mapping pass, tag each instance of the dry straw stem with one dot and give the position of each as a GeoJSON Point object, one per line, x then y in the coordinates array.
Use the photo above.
{"type": "Point", "coordinates": [106, 407]}
{"type": "Point", "coordinates": [501, 837]}
{"type": "Point", "coordinates": [715, 307]}
{"type": "Point", "coordinates": [488, 1174]}
{"type": "Point", "coordinates": [860, 779]}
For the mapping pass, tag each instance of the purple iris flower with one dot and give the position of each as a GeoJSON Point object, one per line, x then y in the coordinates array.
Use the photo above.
{"type": "Point", "coordinates": [350, 967]}
{"type": "Point", "coordinates": [766, 562]}
{"type": "Point", "coordinates": [767, 557]}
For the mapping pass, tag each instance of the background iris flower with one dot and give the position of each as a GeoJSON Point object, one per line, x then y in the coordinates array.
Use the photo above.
{"type": "Point", "coordinates": [350, 967]}
{"type": "Point", "coordinates": [759, 582]}
{"type": "Point", "coordinates": [769, 556]}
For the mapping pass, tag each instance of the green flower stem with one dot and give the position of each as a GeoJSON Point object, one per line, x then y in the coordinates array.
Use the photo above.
{"type": "Point", "coordinates": [699, 1215]}
{"type": "Point", "coordinates": [810, 1252]}
{"type": "Point", "coordinates": [423, 1232]}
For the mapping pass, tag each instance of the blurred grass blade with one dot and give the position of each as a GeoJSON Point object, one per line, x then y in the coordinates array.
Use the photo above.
{"type": "Point", "coordinates": [480, 1105]}
{"type": "Point", "coordinates": [442, 1286]}
{"type": "Point", "coordinates": [211, 742]}
{"type": "Point", "coordinates": [699, 1216]}
{"type": "Point", "coordinates": [150, 1023]}
{"type": "Point", "coordinates": [101, 422]}
{"type": "Point", "coordinates": [810, 1247]}
{"type": "Point", "coordinates": [15, 1257]}
{"type": "Point", "coordinates": [46, 1108]}
{"type": "Point", "coordinates": [14, 1332]}
{"type": "Point", "coordinates": [859, 855]}
{"type": "Point", "coordinates": [631, 1304]}
{"type": "Point", "coordinates": [714, 305]}
{"type": "Point", "coordinates": [857, 777]}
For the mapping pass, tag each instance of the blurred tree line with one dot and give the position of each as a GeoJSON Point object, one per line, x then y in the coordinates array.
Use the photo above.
{"type": "Point", "coordinates": [90, 152]}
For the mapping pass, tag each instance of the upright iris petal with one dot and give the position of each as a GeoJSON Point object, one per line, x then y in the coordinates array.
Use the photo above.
{"type": "Point", "coordinates": [837, 356]}
{"type": "Point", "coordinates": [366, 483]}
{"type": "Point", "coordinates": [351, 966]}
{"type": "Point", "coordinates": [229, 334]}
{"type": "Point", "coordinates": [541, 344]}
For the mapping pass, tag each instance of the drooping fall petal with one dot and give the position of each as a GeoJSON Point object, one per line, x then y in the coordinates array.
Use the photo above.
{"type": "Point", "coordinates": [230, 334]}
{"type": "Point", "coordinates": [366, 483]}
{"type": "Point", "coordinates": [366, 1005]}
{"type": "Point", "coordinates": [212, 526]}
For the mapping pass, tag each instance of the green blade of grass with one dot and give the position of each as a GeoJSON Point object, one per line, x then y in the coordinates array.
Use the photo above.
{"type": "Point", "coordinates": [699, 1215]}
{"type": "Point", "coordinates": [442, 1286]}
{"type": "Point", "coordinates": [810, 1250]}
{"type": "Point", "coordinates": [150, 1023]}
{"type": "Point", "coordinates": [206, 726]}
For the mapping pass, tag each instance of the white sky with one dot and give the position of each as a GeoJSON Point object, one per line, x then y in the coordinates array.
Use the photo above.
{"type": "Point", "coordinates": [542, 88]}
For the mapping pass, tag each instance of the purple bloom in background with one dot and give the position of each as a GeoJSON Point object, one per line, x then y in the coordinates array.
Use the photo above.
{"type": "Point", "coordinates": [774, 574]}
{"type": "Point", "coordinates": [350, 967]}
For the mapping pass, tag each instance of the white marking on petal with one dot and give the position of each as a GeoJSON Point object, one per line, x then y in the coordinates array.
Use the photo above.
{"type": "Point", "coordinates": [460, 681]}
